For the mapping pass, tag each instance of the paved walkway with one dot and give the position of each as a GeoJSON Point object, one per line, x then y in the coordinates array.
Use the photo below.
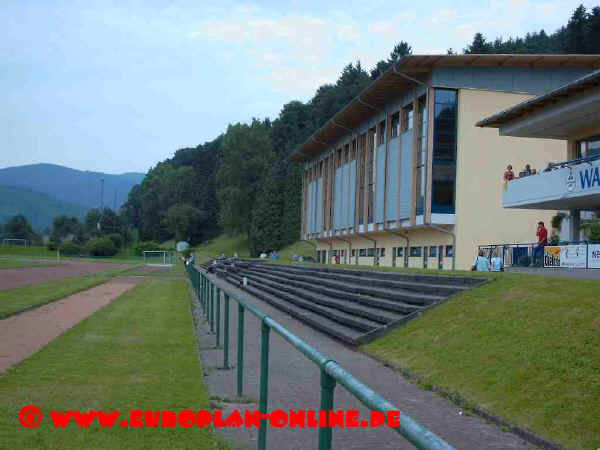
{"type": "Point", "coordinates": [23, 334]}
{"type": "Point", "coordinates": [294, 383]}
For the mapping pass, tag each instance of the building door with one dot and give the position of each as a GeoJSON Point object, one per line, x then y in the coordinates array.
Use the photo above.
{"type": "Point", "coordinates": [394, 251]}
{"type": "Point", "coordinates": [441, 257]}
{"type": "Point", "coordinates": [425, 257]}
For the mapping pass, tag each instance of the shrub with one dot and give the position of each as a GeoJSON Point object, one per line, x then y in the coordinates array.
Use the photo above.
{"type": "Point", "coordinates": [146, 246]}
{"type": "Point", "coordinates": [69, 248]}
{"type": "Point", "coordinates": [52, 246]}
{"type": "Point", "coordinates": [186, 253]}
{"type": "Point", "coordinates": [101, 247]}
{"type": "Point", "coordinates": [116, 239]}
{"type": "Point", "coordinates": [524, 261]}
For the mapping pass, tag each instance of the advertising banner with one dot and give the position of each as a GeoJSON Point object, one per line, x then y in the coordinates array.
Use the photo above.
{"type": "Point", "coordinates": [571, 256]}
{"type": "Point", "coordinates": [594, 256]}
{"type": "Point", "coordinates": [552, 256]}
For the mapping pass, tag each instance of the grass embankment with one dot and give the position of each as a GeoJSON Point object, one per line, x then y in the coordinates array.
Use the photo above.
{"type": "Point", "coordinates": [14, 301]}
{"type": "Point", "coordinates": [137, 353]}
{"type": "Point", "coordinates": [240, 244]}
{"type": "Point", "coordinates": [524, 347]}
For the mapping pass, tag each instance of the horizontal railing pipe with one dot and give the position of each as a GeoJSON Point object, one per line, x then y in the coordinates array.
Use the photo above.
{"type": "Point", "coordinates": [409, 428]}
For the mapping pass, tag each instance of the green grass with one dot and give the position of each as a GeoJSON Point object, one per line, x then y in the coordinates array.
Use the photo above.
{"type": "Point", "coordinates": [524, 347]}
{"type": "Point", "coordinates": [31, 250]}
{"type": "Point", "coordinates": [14, 301]}
{"type": "Point", "coordinates": [6, 263]}
{"type": "Point", "coordinates": [225, 244]}
{"type": "Point", "coordinates": [139, 352]}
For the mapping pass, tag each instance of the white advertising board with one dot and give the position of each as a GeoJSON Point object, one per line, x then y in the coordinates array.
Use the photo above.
{"type": "Point", "coordinates": [594, 256]}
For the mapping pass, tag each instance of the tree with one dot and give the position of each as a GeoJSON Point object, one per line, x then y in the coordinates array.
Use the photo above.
{"type": "Point", "coordinates": [184, 221]}
{"type": "Point", "coordinates": [66, 227]}
{"type": "Point", "coordinates": [400, 50]}
{"type": "Point", "coordinates": [17, 227]}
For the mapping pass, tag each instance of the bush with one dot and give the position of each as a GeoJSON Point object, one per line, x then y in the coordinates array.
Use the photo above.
{"type": "Point", "coordinates": [116, 239]}
{"type": "Point", "coordinates": [52, 246]}
{"type": "Point", "coordinates": [186, 253]}
{"type": "Point", "coordinates": [69, 248]}
{"type": "Point", "coordinates": [524, 261]}
{"type": "Point", "coordinates": [101, 247]}
{"type": "Point", "coordinates": [146, 246]}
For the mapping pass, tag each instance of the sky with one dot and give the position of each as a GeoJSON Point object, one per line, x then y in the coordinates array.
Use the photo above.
{"type": "Point", "coordinates": [117, 86]}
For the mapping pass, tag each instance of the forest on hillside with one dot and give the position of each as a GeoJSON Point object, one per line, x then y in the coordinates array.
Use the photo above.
{"type": "Point", "coordinates": [244, 182]}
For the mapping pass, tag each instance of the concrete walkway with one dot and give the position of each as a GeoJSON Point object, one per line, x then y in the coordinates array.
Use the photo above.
{"type": "Point", "coordinates": [294, 383]}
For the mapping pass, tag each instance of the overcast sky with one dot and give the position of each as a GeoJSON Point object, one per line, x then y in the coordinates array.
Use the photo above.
{"type": "Point", "coordinates": [118, 86]}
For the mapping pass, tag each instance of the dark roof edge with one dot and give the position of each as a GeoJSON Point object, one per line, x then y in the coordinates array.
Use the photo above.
{"type": "Point", "coordinates": [500, 118]}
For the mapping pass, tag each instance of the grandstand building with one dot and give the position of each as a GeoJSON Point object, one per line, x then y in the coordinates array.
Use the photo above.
{"type": "Point", "coordinates": [402, 176]}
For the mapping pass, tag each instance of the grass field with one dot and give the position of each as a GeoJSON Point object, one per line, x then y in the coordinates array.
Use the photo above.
{"type": "Point", "coordinates": [225, 244]}
{"type": "Point", "coordinates": [137, 353]}
{"type": "Point", "coordinates": [14, 301]}
{"type": "Point", "coordinates": [12, 263]}
{"type": "Point", "coordinates": [524, 347]}
{"type": "Point", "coordinates": [18, 251]}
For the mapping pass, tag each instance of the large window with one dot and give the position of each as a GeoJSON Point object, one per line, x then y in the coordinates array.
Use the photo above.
{"type": "Point", "coordinates": [444, 152]}
{"type": "Point", "coordinates": [588, 147]}
{"type": "Point", "coordinates": [371, 174]}
{"type": "Point", "coordinates": [407, 118]}
{"type": "Point", "coordinates": [362, 143]}
{"type": "Point", "coordinates": [415, 252]}
{"type": "Point", "coordinates": [421, 166]}
{"type": "Point", "coordinates": [395, 125]}
{"type": "Point", "coordinates": [381, 134]}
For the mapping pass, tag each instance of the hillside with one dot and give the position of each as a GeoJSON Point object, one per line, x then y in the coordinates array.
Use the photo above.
{"type": "Point", "coordinates": [39, 208]}
{"type": "Point", "coordinates": [70, 185]}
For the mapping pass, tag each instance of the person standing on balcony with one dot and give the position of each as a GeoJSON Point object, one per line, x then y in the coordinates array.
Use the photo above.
{"type": "Point", "coordinates": [508, 173]}
{"type": "Point", "coordinates": [542, 237]}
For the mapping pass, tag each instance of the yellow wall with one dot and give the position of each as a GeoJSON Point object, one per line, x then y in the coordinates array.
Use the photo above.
{"type": "Point", "coordinates": [482, 158]}
{"type": "Point", "coordinates": [418, 238]}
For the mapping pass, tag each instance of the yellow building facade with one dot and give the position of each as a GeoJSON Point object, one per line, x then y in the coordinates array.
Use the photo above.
{"type": "Point", "coordinates": [402, 176]}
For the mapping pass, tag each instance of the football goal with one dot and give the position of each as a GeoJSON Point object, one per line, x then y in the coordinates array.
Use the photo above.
{"type": "Point", "coordinates": [10, 241]}
{"type": "Point", "coordinates": [158, 257]}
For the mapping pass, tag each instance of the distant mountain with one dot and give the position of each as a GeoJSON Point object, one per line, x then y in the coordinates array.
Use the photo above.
{"type": "Point", "coordinates": [70, 185]}
{"type": "Point", "coordinates": [40, 209]}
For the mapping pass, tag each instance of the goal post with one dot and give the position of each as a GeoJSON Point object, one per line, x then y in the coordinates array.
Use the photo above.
{"type": "Point", "coordinates": [11, 241]}
{"type": "Point", "coordinates": [158, 257]}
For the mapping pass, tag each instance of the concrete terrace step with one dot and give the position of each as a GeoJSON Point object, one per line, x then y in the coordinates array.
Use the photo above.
{"type": "Point", "coordinates": [373, 314]}
{"type": "Point", "coordinates": [349, 320]}
{"type": "Point", "coordinates": [366, 280]}
{"type": "Point", "coordinates": [372, 307]}
{"type": "Point", "coordinates": [378, 274]}
{"type": "Point", "coordinates": [315, 320]}
{"type": "Point", "coordinates": [363, 288]}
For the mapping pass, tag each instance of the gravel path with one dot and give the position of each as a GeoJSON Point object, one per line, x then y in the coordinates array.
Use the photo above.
{"type": "Point", "coordinates": [24, 334]}
{"type": "Point", "coordinates": [294, 383]}
{"type": "Point", "coordinates": [14, 278]}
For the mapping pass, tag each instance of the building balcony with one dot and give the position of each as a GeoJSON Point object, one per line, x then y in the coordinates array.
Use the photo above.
{"type": "Point", "coordinates": [570, 185]}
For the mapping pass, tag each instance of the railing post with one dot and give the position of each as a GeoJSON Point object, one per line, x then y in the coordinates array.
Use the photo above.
{"type": "Point", "coordinates": [240, 351]}
{"type": "Point", "coordinates": [210, 303]}
{"type": "Point", "coordinates": [327, 388]}
{"type": "Point", "coordinates": [212, 311]}
{"type": "Point", "coordinates": [218, 320]}
{"type": "Point", "coordinates": [226, 334]}
{"type": "Point", "coordinates": [264, 384]}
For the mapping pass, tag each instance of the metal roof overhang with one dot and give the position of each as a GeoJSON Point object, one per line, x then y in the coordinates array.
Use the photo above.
{"type": "Point", "coordinates": [560, 120]}
{"type": "Point", "coordinates": [390, 84]}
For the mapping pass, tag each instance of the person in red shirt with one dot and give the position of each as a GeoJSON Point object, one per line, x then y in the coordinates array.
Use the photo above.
{"type": "Point", "coordinates": [542, 237]}
{"type": "Point", "coordinates": [508, 173]}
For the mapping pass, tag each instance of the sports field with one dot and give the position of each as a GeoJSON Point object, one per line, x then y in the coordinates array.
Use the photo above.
{"type": "Point", "coordinates": [137, 352]}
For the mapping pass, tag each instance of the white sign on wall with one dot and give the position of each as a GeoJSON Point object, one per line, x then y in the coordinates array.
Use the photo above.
{"type": "Point", "coordinates": [594, 256]}
{"type": "Point", "coordinates": [574, 256]}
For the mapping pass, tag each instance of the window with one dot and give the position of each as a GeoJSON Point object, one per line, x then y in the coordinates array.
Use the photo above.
{"type": "Point", "coordinates": [421, 166]}
{"type": "Point", "coordinates": [444, 152]}
{"type": "Point", "coordinates": [407, 118]}
{"type": "Point", "coordinates": [334, 253]}
{"type": "Point", "coordinates": [353, 254]}
{"type": "Point", "coordinates": [588, 147]}
{"type": "Point", "coordinates": [415, 251]}
{"type": "Point", "coordinates": [362, 143]}
{"type": "Point", "coordinates": [433, 251]}
{"type": "Point", "coordinates": [362, 252]}
{"type": "Point", "coordinates": [449, 250]}
{"type": "Point", "coordinates": [381, 134]}
{"type": "Point", "coordinates": [395, 125]}
{"type": "Point", "coordinates": [371, 176]}
{"type": "Point", "coordinates": [400, 252]}
{"type": "Point", "coordinates": [381, 252]}
{"type": "Point", "coordinates": [370, 252]}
